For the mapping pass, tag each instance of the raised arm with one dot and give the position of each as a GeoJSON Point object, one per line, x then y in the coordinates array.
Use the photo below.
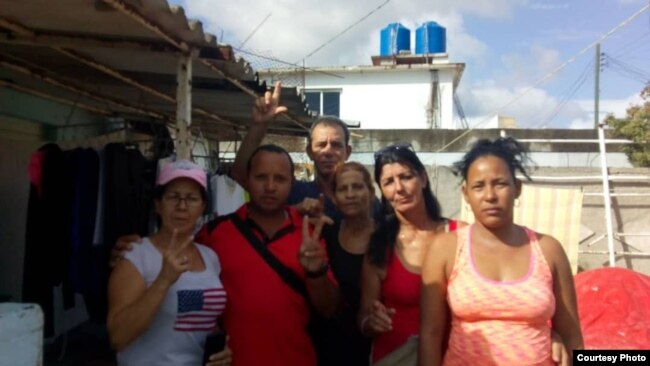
{"type": "Point", "coordinates": [264, 110]}
{"type": "Point", "coordinates": [434, 311]}
{"type": "Point", "coordinates": [565, 320]}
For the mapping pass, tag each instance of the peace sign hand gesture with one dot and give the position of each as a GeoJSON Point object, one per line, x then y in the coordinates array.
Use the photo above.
{"type": "Point", "coordinates": [175, 260]}
{"type": "Point", "coordinates": [311, 254]}
{"type": "Point", "coordinates": [268, 106]}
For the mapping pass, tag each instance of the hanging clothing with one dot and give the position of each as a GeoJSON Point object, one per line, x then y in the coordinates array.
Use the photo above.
{"type": "Point", "coordinates": [47, 234]}
{"type": "Point", "coordinates": [227, 195]}
{"type": "Point", "coordinates": [129, 192]}
{"type": "Point", "coordinates": [85, 179]}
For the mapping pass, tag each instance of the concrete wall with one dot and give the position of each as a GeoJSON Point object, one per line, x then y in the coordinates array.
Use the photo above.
{"type": "Point", "coordinates": [17, 143]}
{"type": "Point", "coordinates": [630, 211]}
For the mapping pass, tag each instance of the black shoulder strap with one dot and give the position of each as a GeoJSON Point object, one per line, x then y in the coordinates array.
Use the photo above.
{"type": "Point", "coordinates": [286, 274]}
{"type": "Point", "coordinates": [214, 222]}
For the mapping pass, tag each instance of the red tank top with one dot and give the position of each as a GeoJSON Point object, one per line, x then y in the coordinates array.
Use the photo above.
{"type": "Point", "coordinates": [400, 290]}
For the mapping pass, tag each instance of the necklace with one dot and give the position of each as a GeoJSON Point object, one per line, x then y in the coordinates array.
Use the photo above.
{"type": "Point", "coordinates": [415, 239]}
{"type": "Point", "coordinates": [410, 241]}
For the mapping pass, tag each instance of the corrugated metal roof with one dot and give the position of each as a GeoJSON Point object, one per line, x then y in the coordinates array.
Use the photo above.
{"type": "Point", "coordinates": [121, 57]}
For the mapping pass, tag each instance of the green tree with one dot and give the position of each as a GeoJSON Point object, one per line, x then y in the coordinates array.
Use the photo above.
{"type": "Point", "coordinates": [636, 127]}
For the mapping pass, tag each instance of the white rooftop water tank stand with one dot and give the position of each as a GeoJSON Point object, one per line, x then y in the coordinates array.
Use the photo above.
{"type": "Point", "coordinates": [21, 334]}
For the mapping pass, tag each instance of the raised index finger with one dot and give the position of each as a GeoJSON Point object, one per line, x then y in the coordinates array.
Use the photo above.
{"type": "Point", "coordinates": [174, 242]}
{"type": "Point", "coordinates": [277, 91]}
{"type": "Point", "coordinates": [305, 228]}
{"type": "Point", "coordinates": [318, 228]}
{"type": "Point", "coordinates": [177, 244]}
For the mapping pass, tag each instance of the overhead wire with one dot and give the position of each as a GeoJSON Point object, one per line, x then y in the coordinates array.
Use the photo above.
{"type": "Point", "coordinates": [298, 64]}
{"type": "Point", "coordinates": [275, 59]}
{"type": "Point", "coordinates": [631, 46]}
{"type": "Point", "coordinates": [548, 75]}
{"type": "Point", "coordinates": [568, 94]}
{"type": "Point", "coordinates": [254, 31]}
{"type": "Point", "coordinates": [345, 30]}
{"type": "Point", "coordinates": [626, 70]}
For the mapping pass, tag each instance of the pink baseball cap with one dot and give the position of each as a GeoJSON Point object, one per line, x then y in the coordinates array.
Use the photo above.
{"type": "Point", "coordinates": [182, 169]}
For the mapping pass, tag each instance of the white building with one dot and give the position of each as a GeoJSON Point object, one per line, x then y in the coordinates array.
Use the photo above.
{"type": "Point", "coordinates": [396, 92]}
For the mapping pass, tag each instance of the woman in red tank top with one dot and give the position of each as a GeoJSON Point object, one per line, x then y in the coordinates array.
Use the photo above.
{"type": "Point", "coordinates": [390, 279]}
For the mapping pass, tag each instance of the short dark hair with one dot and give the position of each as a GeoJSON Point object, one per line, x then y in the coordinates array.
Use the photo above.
{"type": "Point", "coordinates": [269, 148]}
{"type": "Point", "coordinates": [382, 241]}
{"type": "Point", "coordinates": [505, 148]}
{"type": "Point", "coordinates": [330, 121]}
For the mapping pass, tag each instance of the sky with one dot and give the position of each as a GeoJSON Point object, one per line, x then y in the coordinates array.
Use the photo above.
{"type": "Point", "coordinates": [510, 47]}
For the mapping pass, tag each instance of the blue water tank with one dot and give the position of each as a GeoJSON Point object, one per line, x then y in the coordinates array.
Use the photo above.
{"type": "Point", "coordinates": [394, 38]}
{"type": "Point", "coordinates": [430, 37]}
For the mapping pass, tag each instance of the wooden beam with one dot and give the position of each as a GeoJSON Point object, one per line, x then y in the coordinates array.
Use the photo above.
{"type": "Point", "coordinates": [132, 13]}
{"type": "Point", "coordinates": [75, 104]}
{"type": "Point", "coordinates": [183, 105]}
{"type": "Point", "coordinates": [20, 66]}
{"type": "Point", "coordinates": [248, 91]}
{"type": "Point", "coordinates": [122, 77]}
{"type": "Point", "coordinates": [56, 40]}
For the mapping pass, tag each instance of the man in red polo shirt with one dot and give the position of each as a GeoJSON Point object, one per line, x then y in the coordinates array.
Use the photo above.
{"type": "Point", "coordinates": [266, 317]}
{"type": "Point", "coordinates": [268, 308]}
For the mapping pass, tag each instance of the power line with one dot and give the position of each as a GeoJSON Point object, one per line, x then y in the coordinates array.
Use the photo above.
{"type": "Point", "coordinates": [296, 64]}
{"type": "Point", "coordinates": [550, 74]}
{"type": "Point", "coordinates": [632, 70]}
{"type": "Point", "coordinates": [275, 59]}
{"type": "Point", "coordinates": [255, 30]}
{"type": "Point", "coordinates": [569, 93]}
{"type": "Point", "coordinates": [630, 46]}
{"type": "Point", "coordinates": [346, 29]}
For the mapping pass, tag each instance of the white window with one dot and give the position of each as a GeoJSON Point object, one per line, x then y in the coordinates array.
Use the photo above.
{"type": "Point", "coordinates": [324, 102]}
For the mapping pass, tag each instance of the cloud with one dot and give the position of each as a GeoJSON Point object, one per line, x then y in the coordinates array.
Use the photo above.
{"type": "Point", "coordinates": [295, 27]}
{"type": "Point", "coordinates": [567, 34]}
{"type": "Point", "coordinates": [526, 68]}
{"type": "Point", "coordinates": [534, 109]}
{"type": "Point", "coordinates": [617, 107]}
{"type": "Point", "coordinates": [548, 6]}
{"type": "Point", "coordinates": [626, 2]}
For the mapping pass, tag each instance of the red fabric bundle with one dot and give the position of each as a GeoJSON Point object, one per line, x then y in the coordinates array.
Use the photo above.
{"type": "Point", "coordinates": [614, 306]}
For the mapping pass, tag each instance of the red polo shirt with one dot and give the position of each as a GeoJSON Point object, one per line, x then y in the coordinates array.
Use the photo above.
{"type": "Point", "coordinates": [266, 319]}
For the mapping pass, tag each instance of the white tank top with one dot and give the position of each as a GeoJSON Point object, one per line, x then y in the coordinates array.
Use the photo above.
{"type": "Point", "coordinates": [187, 314]}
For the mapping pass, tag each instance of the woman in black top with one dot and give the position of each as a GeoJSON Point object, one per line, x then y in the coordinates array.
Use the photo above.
{"type": "Point", "coordinates": [338, 341]}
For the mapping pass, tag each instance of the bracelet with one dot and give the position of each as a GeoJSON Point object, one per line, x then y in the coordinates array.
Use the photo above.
{"type": "Point", "coordinates": [363, 324]}
{"type": "Point", "coordinates": [319, 272]}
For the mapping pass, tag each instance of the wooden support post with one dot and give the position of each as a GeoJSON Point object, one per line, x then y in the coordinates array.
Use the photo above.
{"type": "Point", "coordinates": [183, 106]}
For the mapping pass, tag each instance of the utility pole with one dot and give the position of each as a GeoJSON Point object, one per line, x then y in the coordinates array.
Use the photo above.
{"type": "Point", "coordinates": [600, 127]}
{"type": "Point", "coordinates": [597, 86]}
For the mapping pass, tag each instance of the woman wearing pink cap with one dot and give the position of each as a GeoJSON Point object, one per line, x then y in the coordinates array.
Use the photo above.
{"type": "Point", "coordinates": [165, 298]}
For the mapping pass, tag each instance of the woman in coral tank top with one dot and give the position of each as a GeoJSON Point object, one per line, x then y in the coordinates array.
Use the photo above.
{"type": "Point", "coordinates": [503, 283]}
{"type": "Point", "coordinates": [390, 279]}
